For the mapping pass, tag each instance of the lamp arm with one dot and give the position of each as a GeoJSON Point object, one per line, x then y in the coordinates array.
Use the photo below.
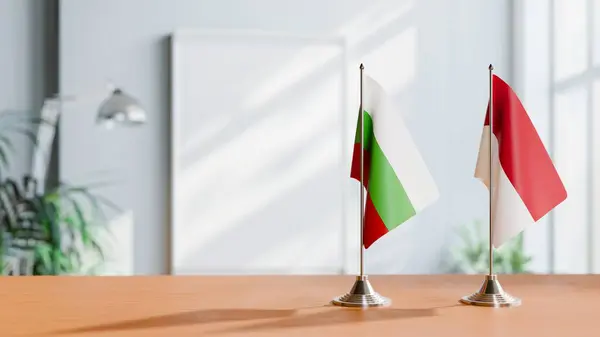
{"type": "Point", "coordinates": [109, 87]}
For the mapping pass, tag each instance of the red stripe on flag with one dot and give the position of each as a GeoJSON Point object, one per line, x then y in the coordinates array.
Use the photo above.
{"type": "Point", "coordinates": [374, 226]}
{"type": "Point", "coordinates": [355, 168]}
{"type": "Point", "coordinates": [522, 153]}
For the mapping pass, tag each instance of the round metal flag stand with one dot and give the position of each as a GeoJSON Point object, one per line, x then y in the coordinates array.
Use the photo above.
{"type": "Point", "coordinates": [361, 295]}
{"type": "Point", "coordinates": [491, 293]}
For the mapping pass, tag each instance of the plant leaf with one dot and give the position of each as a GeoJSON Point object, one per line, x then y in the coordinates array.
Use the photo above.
{"type": "Point", "coordinates": [43, 252]}
{"type": "Point", "coordinates": [4, 158]}
{"type": "Point", "coordinates": [97, 202]}
{"type": "Point", "coordinates": [28, 134]}
{"type": "Point", "coordinates": [7, 206]}
{"type": "Point", "coordinates": [82, 222]}
{"type": "Point", "coordinates": [6, 146]}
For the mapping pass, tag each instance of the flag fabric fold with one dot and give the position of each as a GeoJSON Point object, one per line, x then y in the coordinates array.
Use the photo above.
{"type": "Point", "coordinates": [525, 184]}
{"type": "Point", "coordinates": [396, 178]}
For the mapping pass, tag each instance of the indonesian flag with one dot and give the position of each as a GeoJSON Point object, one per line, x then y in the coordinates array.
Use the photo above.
{"type": "Point", "coordinates": [397, 180]}
{"type": "Point", "coordinates": [525, 184]}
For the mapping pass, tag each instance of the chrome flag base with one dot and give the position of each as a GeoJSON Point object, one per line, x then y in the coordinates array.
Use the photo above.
{"type": "Point", "coordinates": [361, 295]}
{"type": "Point", "coordinates": [491, 294]}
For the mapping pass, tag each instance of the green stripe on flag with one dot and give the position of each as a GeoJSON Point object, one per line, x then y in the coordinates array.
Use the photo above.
{"type": "Point", "coordinates": [386, 190]}
{"type": "Point", "coordinates": [368, 130]}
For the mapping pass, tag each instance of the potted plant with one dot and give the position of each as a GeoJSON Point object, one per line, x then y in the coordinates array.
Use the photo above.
{"type": "Point", "coordinates": [46, 232]}
{"type": "Point", "coordinates": [472, 255]}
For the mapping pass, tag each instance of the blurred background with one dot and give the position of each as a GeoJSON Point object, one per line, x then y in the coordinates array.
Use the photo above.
{"type": "Point", "coordinates": [240, 164]}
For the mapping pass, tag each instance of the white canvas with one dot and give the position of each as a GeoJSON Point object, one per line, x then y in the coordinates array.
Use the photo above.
{"type": "Point", "coordinates": [259, 154]}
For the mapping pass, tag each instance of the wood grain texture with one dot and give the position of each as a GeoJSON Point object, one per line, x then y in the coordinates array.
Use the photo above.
{"type": "Point", "coordinates": [291, 306]}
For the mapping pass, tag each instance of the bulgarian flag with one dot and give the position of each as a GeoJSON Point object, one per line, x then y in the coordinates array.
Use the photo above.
{"type": "Point", "coordinates": [397, 180]}
{"type": "Point", "coordinates": [526, 185]}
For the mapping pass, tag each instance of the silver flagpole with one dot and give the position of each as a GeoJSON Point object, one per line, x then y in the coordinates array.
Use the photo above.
{"type": "Point", "coordinates": [491, 120]}
{"type": "Point", "coordinates": [491, 293]}
{"type": "Point", "coordinates": [362, 293]}
{"type": "Point", "coordinates": [362, 173]}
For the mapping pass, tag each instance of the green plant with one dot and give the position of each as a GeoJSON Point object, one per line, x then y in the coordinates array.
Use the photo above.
{"type": "Point", "coordinates": [56, 230]}
{"type": "Point", "coordinates": [472, 257]}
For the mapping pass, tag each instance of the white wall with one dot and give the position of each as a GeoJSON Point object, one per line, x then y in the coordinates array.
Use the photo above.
{"type": "Point", "coordinates": [22, 66]}
{"type": "Point", "coordinates": [432, 55]}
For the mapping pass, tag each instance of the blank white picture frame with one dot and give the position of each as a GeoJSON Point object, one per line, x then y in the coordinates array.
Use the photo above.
{"type": "Point", "coordinates": [260, 150]}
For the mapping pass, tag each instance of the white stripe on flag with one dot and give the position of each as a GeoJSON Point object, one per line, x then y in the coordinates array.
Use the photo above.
{"type": "Point", "coordinates": [398, 146]}
{"type": "Point", "coordinates": [511, 216]}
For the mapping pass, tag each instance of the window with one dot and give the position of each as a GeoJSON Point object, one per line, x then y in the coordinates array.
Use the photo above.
{"type": "Point", "coordinates": [557, 72]}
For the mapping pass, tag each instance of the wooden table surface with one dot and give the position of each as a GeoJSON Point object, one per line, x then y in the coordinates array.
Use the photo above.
{"type": "Point", "coordinates": [292, 306]}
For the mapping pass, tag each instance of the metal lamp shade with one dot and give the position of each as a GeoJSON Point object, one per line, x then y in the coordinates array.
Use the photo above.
{"type": "Point", "coordinates": [121, 109]}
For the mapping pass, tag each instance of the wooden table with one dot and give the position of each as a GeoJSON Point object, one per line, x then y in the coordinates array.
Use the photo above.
{"type": "Point", "coordinates": [292, 306]}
